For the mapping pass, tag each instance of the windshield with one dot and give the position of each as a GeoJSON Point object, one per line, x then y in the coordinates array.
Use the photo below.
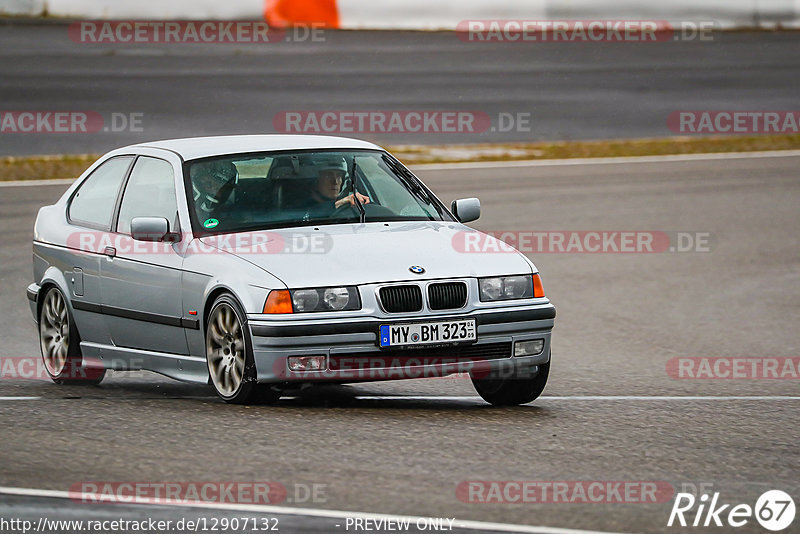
{"type": "Point", "coordinates": [273, 190]}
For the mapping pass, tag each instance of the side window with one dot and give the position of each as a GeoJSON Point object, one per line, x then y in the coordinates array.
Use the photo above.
{"type": "Point", "coordinates": [94, 202]}
{"type": "Point", "coordinates": [150, 193]}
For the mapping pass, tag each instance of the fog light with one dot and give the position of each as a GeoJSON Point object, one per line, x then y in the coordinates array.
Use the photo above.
{"type": "Point", "coordinates": [307, 363]}
{"type": "Point", "coordinates": [529, 348]}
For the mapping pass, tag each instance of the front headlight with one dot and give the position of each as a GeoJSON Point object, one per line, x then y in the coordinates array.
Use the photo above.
{"type": "Point", "coordinates": [305, 300]}
{"type": "Point", "coordinates": [336, 298]}
{"type": "Point", "coordinates": [321, 299]}
{"type": "Point", "coordinates": [506, 288]}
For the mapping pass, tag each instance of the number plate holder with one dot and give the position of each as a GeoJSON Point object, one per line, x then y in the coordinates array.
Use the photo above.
{"type": "Point", "coordinates": [428, 333]}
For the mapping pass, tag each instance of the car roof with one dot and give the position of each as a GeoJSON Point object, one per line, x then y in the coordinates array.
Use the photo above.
{"type": "Point", "coordinates": [201, 147]}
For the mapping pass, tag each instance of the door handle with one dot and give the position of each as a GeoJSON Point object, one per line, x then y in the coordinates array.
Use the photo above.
{"type": "Point", "coordinates": [111, 252]}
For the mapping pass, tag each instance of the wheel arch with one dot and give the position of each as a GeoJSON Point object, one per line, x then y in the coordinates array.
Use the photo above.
{"type": "Point", "coordinates": [213, 295]}
{"type": "Point", "coordinates": [53, 278]}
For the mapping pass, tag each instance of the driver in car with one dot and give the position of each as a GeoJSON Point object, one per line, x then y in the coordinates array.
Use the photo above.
{"type": "Point", "coordinates": [212, 184]}
{"type": "Point", "coordinates": [323, 199]}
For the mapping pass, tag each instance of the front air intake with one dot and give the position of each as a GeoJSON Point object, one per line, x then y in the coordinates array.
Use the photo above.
{"type": "Point", "coordinates": [400, 299]}
{"type": "Point", "coordinates": [447, 295]}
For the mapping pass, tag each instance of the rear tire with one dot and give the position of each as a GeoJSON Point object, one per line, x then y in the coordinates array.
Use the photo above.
{"type": "Point", "coordinates": [60, 343]}
{"type": "Point", "coordinates": [229, 353]}
{"type": "Point", "coordinates": [513, 390]}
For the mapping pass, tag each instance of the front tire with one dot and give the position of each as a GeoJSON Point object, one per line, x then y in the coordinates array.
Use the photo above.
{"type": "Point", "coordinates": [60, 343]}
{"type": "Point", "coordinates": [229, 353]}
{"type": "Point", "coordinates": [519, 388]}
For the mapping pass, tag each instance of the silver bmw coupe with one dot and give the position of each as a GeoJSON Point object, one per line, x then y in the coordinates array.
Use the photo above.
{"type": "Point", "coordinates": [262, 263]}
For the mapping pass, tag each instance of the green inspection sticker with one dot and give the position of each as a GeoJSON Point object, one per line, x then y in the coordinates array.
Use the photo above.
{"type": "Point", "coordinates": [210, 223]}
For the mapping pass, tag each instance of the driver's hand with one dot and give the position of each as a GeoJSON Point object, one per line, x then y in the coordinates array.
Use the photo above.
{"type": "Point", "coordinates": [364, 199]}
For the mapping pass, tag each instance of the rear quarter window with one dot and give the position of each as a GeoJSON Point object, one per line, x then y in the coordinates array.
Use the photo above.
{"type": "Point", "coordinates": [93, 203]}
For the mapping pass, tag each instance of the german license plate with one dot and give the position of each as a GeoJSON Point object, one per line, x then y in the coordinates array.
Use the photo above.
{"type": "Point", "coordinates": [412, 334]}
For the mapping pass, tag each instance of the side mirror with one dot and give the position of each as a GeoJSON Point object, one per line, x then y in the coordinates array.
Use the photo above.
{"type": "Point", "coordinates": [466, 209]}
{"type": "Point", "coordinates": [150, 229]}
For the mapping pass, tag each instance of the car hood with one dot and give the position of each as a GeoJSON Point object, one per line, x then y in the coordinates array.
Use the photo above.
{"type": "Point", "coordinates": [352, 254]}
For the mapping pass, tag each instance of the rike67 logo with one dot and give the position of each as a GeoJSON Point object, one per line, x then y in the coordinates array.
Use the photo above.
{"type": "Point", "coordinates": [774, 510]}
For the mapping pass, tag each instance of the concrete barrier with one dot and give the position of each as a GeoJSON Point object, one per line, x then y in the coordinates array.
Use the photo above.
{"type": "Point", "coordinates": [22, 7]}
{"type": "Point", "coordinates": [138, 9]}
{"type": "Point", "coordinates": [158, 9]}
{"type": "Point", "coordinates": [422, 14]}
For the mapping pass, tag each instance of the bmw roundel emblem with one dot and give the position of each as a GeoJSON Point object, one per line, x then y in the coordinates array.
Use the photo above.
{"type": "Point", "coordinates": [416, 269]}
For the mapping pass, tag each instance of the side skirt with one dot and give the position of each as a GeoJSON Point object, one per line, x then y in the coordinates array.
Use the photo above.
{"type": "Point", "coordinates": [180, 367]}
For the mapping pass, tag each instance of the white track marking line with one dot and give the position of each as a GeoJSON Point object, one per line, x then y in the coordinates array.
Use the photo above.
{"type": "Point", "coordinates": [589, 398]}
{"type": "Point", "coordinates": [311, 512]}
{"type": "Point", "coordinates": [21, 183]}
{"type": "Point", "coordinates": [678, 397]}
{"type": "Point", "coordinates": [711, 156]}
{"type": "Point", "coordinates": [604, 161]}
{"type": "Point", "coordinates": [478, 399]}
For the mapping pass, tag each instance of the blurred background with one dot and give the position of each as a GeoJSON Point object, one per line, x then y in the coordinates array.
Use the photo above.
{"type": "Point", "coordinates": [518, 103]}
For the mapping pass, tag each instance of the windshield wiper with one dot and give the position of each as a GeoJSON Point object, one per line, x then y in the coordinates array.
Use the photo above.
{"type": "Point", "coordinates": [410, 181]}
{"type": "Point", "coordinates": [354, 191]}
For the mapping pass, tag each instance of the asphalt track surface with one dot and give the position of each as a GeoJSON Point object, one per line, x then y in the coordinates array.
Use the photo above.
{"type": "Point", "coordinates": [609, 413]}
{"type": "Point", "coordinates": [572, 90]}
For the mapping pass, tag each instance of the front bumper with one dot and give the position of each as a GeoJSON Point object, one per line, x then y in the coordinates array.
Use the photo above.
{"type": "Point", "coordinates": [352, 354]}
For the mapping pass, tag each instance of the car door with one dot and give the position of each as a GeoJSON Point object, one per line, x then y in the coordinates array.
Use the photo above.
{"type": "Point", "coordinates": [141, 281]}
{"type": "Point", "coordinates": [90, 216]}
